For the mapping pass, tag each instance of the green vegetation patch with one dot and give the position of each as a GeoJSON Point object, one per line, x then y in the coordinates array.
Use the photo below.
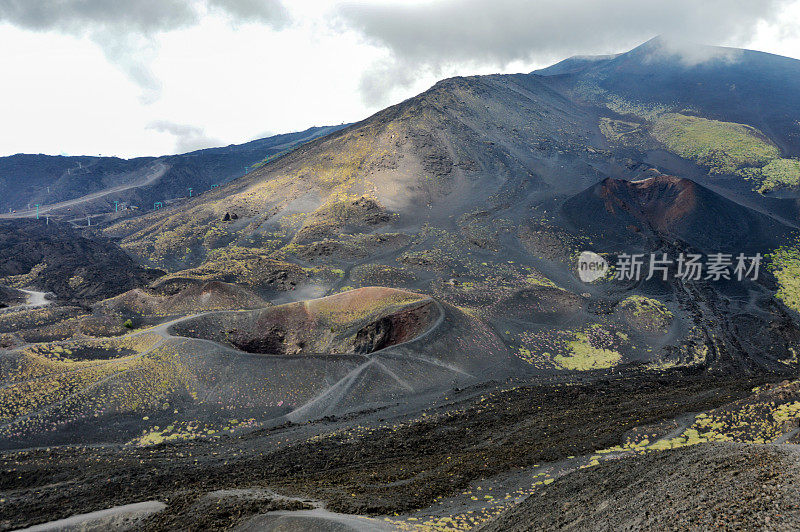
{"type": "Point", "coordinates": [343, 310]}
{"type": "Point", "coordinates": [181, 430]}
{"type": "Point", "coordinates": [784, 262]}
{"type": "Point", "coordinates": [725, 147]}
{"type": "Point", "coordinates": [761, 418]}
{"type": "Point", "coordinates": [623, 106]}
{"type": "Point", "coordinates": [434, 259]}
{"type": "Point", "coordinates": [341, 211]}
{"type": "Point", "coordinates": [246, 266]}
{"type": "Point", "coordinates": [780, 173]}
{"type": "Point", "coordinates": [382, 275]}
{"type": "Point", "coordinates": [584, 356]}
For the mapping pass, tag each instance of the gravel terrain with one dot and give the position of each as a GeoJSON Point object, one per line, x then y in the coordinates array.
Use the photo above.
{"type": "Point", "coordinates": [703, 487]}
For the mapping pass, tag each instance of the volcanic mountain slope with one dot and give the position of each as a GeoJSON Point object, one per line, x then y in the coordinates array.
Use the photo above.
{"type": "Point", "coordinates": [729, 111]}
{"type": "Point", "coordinates": [727, 84]}
{"type": "Point", "coordinates": [574, 64]}
{"type": "Point", "coordinates": [470, 148]}
{"type": "Point", "coordinates": [481, 192]}
{"type": "Point", "coordinates": [618, 213]}
{"type": "Point", "coordinates": [431, 157]}
{"type": "Point", "coordinates": [48, 180]}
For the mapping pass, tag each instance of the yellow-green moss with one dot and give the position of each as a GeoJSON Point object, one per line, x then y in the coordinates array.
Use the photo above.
{"type": "Point", "coordinates": [725, 147]}
{"type": "Point", "coordinates": [780, 173]}
{"type": "Point", "coordinates": [584, 357]}
{"type": "Point", "coordinates": [646, 314]}
{"type": "Point", "coordinates": [785, 264]}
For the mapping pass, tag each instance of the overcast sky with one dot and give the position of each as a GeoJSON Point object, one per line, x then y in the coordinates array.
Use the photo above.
{"type": "Point", "coordinates": [151, 77]}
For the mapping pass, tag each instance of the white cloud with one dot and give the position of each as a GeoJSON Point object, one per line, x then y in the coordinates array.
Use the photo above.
{"type": "Point", "coordinates": [691, 53]}
{"type": "Point", "coordinates": [781, 36]}
{"type": "Point", "coordinates": [125, 30]}
{"type": "Point", "coordinates": [187, 137]}
{"type": "Point", "coordinates": [434, 37]}
{"type": "Point", "coordinates": [236, 68]}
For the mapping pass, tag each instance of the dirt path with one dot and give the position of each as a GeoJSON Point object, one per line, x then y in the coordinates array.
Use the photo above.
{"type": "Point", "coordinates": [119, 516]}
{"type": "Point", "coordinates": [35, 299]}
{"type": "Point", "coordinates": [316, 519]}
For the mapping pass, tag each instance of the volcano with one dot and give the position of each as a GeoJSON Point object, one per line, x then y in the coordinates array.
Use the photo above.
{"type": "Point", "coordinates": [671, 208]}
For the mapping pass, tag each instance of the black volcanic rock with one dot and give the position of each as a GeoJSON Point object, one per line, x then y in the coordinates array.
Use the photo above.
{"type": "Point", "coordinates": [10, 297]}
{"type": "Point", "coordinates": [58, 259]}
{"type": "Point", "coordinates": [699, 487]}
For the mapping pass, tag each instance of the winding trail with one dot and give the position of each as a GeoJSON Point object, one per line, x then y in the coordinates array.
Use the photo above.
{"type": "Point", "coordinates": [317, 519]}
{"type": "Point", "coordinates": [325, 402]}
{"type": "Point", "coordinates": [35, 299]}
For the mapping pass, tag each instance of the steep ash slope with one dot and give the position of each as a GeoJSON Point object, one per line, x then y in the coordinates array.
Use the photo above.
{"type": "Point", "coordinates": [728, 486]}
{"type": "Point", "coordinates": [439, 154]}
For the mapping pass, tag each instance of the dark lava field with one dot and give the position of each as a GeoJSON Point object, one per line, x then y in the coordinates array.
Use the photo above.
{"type": "Point", "coordinates": [385, 325]}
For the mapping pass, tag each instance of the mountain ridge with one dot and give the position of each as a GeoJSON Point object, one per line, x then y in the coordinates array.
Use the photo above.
{"type": "Point", "coordinates": [53, 179]}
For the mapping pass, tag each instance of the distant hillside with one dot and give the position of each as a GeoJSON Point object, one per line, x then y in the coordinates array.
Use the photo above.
{"type": "Point", "coordinates": [45, 179]}
{"type": "Point", "coordinates": [573, 64]}
{"type": "Point", "coordinates": [733, 85]}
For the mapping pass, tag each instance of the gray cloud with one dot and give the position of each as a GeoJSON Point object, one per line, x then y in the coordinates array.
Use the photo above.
{"type": "Point", "coordinates": [142, 16]}
{"type": "Point", "coordinates": [690, 53]}
{"type": "Point", "coordinates": [187, 137]}
{"type": "Point", "coordinates": [125, 29]}
{"type": "Point", "coordinates": [132, 53]}
{"type": "Point", "coordinates": [385, 75]}
{"type": "Point", "coordinates": [270, 12]}
{"type": "Point", "coordinates": [429, 38]}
